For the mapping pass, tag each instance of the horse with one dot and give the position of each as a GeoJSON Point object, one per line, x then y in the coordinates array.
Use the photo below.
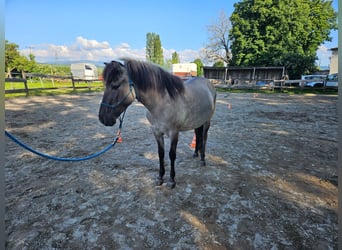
{"type": "Point", "coordinates": [172, 105]}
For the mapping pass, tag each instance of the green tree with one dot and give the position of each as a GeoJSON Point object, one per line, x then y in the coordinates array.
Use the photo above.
{"type": "Point", "coordinates": [298, 64]}
{"type": "Point", "coordinates": [11, 57]}
{"type": "Point", "coordinates": [175, 58]}
{"type": "Point", "coordinates": [272, 33]}
{"type": "Point", "coordinates": [154, 50]}
{"type": "Point", "coordinates": [199, 66]}
{"type": "Point", "coordinates": [218, 63]}
{"type": "Point", "coordinates": [15, 61]}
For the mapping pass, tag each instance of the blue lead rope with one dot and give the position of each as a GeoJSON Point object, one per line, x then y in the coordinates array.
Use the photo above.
{"type": "Point", "coordinates": [51, 157]}
{"type": "Point", "coordinates": [60, 158]}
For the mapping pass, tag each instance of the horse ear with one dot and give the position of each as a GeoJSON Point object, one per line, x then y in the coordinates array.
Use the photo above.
{"type": "Point", "coordinates": [118, 62]}
{"type": "Point", "coordinates": [105, 63]}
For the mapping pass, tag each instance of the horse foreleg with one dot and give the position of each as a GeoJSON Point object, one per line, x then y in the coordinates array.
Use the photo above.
{"type": "Point", "coordinates": [172, 155]}
{"type": "Point", "coordinates": [161, 152]}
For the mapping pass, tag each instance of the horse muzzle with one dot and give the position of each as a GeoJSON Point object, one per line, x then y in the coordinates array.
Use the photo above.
{"type": "Point", "coordinates": [108, 123]}
{"type": "Point", "coordinates": [107, 119]}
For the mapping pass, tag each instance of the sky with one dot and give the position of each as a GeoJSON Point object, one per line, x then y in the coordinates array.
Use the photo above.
{"type": "Point", "coordinates": [105, 30]}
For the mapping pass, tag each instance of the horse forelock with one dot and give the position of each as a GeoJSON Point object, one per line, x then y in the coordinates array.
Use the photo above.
{"type": "Point", "coordinates": [112, 72]}
{"type": "Point", "coordinates": [148, 76]}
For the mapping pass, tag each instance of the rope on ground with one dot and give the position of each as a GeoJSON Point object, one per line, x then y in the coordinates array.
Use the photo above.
{"type": "Point", "coordinates": [51, 157]}
{"type": "Point", "coordinates": [60, 158]}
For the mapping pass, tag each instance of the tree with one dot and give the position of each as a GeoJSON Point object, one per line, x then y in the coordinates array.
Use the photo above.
{"type": "Point", "coordinates": [218, 63]}
{"type": "Point", "coordinates": [275, 33]}
{"type": "Point", "coordinates": [154, 50]}
{"type": "Point", "coordinates": [218, 48]}
{"type": "Point", "coordinates": [175, 58]}
{"type": "Point", "coordinates": [199, 67]}
{"type": "Point", "coordinates": [298, 64]}
{"type": "Point", "coordinates": [15, 61]}
{"type": "Point", "coordinates": [11, 57]}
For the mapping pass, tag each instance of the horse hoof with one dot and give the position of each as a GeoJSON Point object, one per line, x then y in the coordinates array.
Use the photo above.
{"type": "Point", "coordinates": [159, 181]}
{"type": "Point", "coordinates": [195, 155]}
{"type": "Point", "coordinates": [171, 184]}
{"type": "Point", "coordinates": [202, 162]}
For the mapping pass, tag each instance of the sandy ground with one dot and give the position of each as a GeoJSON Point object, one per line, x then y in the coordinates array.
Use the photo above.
{"type": "Point", "coordinates": [270, 180]}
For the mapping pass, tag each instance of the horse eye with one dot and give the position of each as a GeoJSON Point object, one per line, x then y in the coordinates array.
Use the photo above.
{"type": "Point", "coordinates": [115, 86]}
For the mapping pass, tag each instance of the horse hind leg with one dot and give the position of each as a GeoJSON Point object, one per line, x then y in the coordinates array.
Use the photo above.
{"type": "Point", "coordinates": [161, 152]}
{"type": "Point", "coordinates": [202, 135]}
{"type": "Point", "coordinates": [199, 140]}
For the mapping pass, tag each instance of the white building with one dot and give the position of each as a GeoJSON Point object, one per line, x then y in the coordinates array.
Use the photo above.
{"type": "Point", "coordinates": [184, 70]}
{"type": "Point", "coordinates": [333, 68]}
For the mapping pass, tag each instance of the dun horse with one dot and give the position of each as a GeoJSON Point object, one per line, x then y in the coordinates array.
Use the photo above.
{"type": "Point", "coordinates": [172, 105]}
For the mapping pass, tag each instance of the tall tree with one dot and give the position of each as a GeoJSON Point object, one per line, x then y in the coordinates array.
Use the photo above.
{"type": "Point", "coordinates": [154, 50]}
{"type": "Point", "coordinates": [199, 67]}
{"type": "Point", "coordinates": [15, 61]}
{"type": "Point", "coordinates": [175, 58]}
{"type": "Point", "coordinates": [12, 56]}
{"type": "Point", "coordinates": [218, 48]}
{"type": "Point", "coordinates": [271, 33]}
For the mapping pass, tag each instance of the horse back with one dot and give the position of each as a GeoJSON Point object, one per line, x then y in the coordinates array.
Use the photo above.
{"type": "Point", "coordinates": [201, 89]}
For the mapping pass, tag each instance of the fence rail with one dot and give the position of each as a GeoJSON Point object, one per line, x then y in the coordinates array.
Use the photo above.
{"type": "Point", "coordinates": [270, 85]}
{"type": "Point", "coordinates": [246, 85]}
{"type": "Point", "coordinates": [26, 89]}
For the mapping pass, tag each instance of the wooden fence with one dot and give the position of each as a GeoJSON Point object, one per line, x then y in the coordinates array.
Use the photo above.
{"type": "Point", "coordinates": [269, 84]}
{"type": "Point", "coordinates": [53, 78]}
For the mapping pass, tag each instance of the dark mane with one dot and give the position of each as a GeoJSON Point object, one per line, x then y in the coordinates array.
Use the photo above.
{"type": "Point", "coordinates": [149, 76]}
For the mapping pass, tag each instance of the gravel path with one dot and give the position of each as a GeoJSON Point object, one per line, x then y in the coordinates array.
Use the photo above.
{"type": "Point", "coordinates": [270, 180]}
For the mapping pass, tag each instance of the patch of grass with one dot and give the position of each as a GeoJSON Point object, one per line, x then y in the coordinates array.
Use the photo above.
{"type": "Point", "coordinates": [48, 88]}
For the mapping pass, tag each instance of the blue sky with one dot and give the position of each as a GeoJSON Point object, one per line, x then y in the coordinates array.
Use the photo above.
{"type": "Point", "coordinates": [109, 29]}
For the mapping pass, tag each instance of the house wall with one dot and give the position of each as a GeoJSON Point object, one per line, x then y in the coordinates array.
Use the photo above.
{"type": "Point", "coordinates": [184, 70]}
{"type": "Point", "coordinates": [333, 61]}
{"type": "Point", "coordinates": [244, 74]}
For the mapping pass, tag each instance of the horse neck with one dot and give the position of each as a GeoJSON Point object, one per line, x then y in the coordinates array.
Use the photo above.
{"type": "Point", "coordinates": [150, 99]}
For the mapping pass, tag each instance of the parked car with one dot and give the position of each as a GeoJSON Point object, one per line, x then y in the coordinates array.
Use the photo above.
{"type": "Point", "coordinates": [332, 81]}
{"type": "Point", "coordinates": [313, 80]}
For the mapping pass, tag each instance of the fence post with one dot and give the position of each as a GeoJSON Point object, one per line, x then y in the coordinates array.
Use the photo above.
{"type": "Point", "coordinates": [26, 87]}
{"type": "Point", "coordinates": [73, 82]}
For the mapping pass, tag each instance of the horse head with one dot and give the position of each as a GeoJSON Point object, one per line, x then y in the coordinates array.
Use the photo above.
{"type": "Point", "coordinates": [118, 93]}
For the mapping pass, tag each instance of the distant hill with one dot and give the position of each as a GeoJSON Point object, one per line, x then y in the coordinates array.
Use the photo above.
{"type": "Point", "coordinates": [324, 67]}
{"type": "Point", "coordinates": [67, 63]}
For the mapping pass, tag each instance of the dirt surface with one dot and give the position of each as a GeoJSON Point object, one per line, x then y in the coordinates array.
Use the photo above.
{"type": "Point", "coordinates": [270, 180]}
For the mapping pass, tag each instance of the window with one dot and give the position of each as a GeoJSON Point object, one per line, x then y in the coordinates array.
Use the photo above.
{"type": "Point", "coordinates": [87, 67]}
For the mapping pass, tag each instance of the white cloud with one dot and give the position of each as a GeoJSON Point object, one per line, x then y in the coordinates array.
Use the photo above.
{"type": "Point", "coordinates": [185, 56]}
{"type": "Point", "coordinates": [90, 44]}
{"type": "Point", "coordinates": [85, 49]}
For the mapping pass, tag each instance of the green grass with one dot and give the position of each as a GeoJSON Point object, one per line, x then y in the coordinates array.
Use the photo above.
{"type": "Point", "coordinates": [48, 87]}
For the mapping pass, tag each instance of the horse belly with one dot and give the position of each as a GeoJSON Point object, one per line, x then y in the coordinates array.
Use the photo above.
{"type": "Point", "coordinates": [197, 115]}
